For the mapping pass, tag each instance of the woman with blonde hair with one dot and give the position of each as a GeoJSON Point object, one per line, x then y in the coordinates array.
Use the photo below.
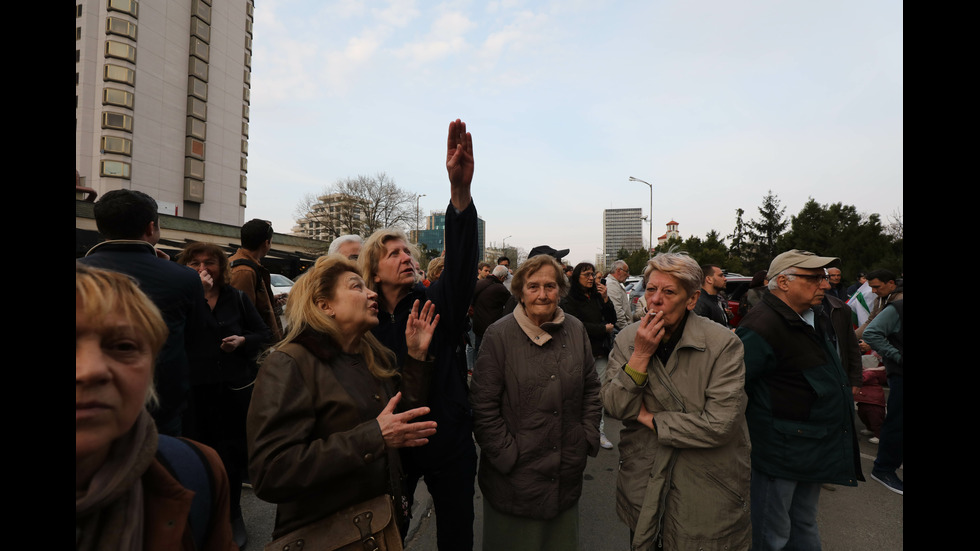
{"type": "Point", "coordinates": [127, 496]}
{"type": "Point", "coordinates": [324, 420]}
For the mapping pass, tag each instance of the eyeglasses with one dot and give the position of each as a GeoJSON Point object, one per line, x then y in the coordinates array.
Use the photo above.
{"type": "Point", "coordinates": [588, 275]}
{"type": "Point", "coordinates": [812, 278]}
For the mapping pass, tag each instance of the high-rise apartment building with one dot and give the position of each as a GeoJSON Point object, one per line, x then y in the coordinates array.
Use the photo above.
{"type": "Point", "coordinates": [333, 215]}
{"type": "Point", "coordinates": [621, 229]}
{"type": "Point", "coordinates": [162, 102]}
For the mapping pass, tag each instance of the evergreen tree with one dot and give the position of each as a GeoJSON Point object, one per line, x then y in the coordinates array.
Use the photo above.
{"type": "Point", "coordinates": [766, 231]}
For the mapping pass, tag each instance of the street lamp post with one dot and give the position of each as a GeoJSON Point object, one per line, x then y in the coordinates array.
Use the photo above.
{"type": "Point", "coordinates": [632, 179]}
{"type": "Point", "coordinates": [417, 197]}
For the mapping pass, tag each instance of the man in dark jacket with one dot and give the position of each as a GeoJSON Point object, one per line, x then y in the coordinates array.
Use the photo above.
{"type": "Point", "coordinates": [713, 283]}
{"type": "Point", "coordinates": [448, 461]}
{"type": "Point", "coordinates": [489, 298]}
{"type": "Point", "coordinates": [800, 411]}
{"type": "Point", "coordinates": [129, 221]}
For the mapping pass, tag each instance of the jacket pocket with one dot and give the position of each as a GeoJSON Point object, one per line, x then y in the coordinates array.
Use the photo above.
{"type": "Point", "coordinates": [805, 446]}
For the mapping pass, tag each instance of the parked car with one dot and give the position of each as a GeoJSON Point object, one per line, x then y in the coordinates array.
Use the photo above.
{"type": "Point", "coordinates": [281, 284]}
{"type": "Point", "coordinates": [737, 286]}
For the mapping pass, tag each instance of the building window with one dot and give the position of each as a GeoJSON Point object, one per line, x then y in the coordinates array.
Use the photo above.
{"type": "Point", "coordinates": [114, 169]}
{"type": "Point", "coordinates": [194, 147]}
{"type": "Point", "coordinates": [126, 6]}
{"type": "Point", "coordinates": [197, 88]}
{"type": "Point", "coordinates": [245, 111]}
{"type": "Point", "coordinates": [121, 27]}
{"type": "Point", "coordinates": [115, 144]}
{"type": "Point", "coordinates": [244, 164]}
{"type": "Point", "coordinates": [116, 73]}
{"type": "Point", "coordinates": [122, 98]}
{"type": "Point", "coordinates": [197, 108]}
{"type": "Point", "coordinates": [197, 68]}
{"type": "Point", "coordinates": [194, 168]}
{"type": "Point", "coordinates": [196, 128]}
{"type": "Point", "coordinates": [244, 129]}
{"type": "Point", "coordinates": [120, 50]}
{"type": "Point", "coordinates": [117, 121]}
{"type": "Point", "coordinates": [245, 147]}
{"type": "Point", "coordinates": [201, 29]}
{"type": "Point", "coordinates": [201, 10]}
{"type": "Point", "coordinates": [200, 49]}
{"type": "Point", "coordinates": [247, 94]}
{"type": "Point", "coordinates": [243, 182]}
{"type": "Point", "coordinates": [241, 199]}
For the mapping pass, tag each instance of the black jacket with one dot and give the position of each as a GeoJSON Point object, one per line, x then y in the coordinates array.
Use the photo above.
{"type": "Point", "coordinates": [594, 313]}
{"type": "Point", "coordinates": [489, 298]}
{"type": "Point", "coordinates": [448, 392]}
{"type": "Point", "coordinates": [177, 292]}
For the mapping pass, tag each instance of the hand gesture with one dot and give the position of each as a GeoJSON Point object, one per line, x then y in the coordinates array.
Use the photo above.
{"type": "Point", "coordinates": [229, 344]}
{"type": "Point", "coordinates": [459, 163]}
{"type": "Point", "coordinates": [419, 329]}
{"type": "Point", "coordinates": [649, 335]}
{"type": "Point", "coordinates": [206, 280]}
{"type": "Point", "coordinates": [603, 290]}
{"type": "Point", "coordinates": [397, 429]}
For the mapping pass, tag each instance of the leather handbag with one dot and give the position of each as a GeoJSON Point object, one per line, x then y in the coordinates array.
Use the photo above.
{"type": "Point", "coordinates": [367, 526]}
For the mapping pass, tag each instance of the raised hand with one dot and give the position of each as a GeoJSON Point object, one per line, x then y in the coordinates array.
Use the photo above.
{"type": "Point", "coordinates": [397, 429]}
{"type": "Point", "coordinates": [419, 329]}
{"type": "Point", "coordinates": [459, 164]}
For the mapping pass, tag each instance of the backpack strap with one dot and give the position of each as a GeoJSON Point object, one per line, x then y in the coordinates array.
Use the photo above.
{"type": "Point", "coordinates": [255, 268]}
{"type": "Point", "coordinates": [188, 465]}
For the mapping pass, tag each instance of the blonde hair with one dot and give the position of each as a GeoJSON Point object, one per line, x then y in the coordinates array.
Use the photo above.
{"type": "Point", "coordinates": [100, 293]}
{"type": "Point", "coordinates": [436, 266]}
{"type": "Point", "coordinates": [302, 312]}
{"type": "Point", "coordinates": [373, 250]}
{"type": "Point", "coordinates": [531, 266]}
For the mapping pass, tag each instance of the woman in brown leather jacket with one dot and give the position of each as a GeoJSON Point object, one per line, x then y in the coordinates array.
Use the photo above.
{"type": "Point", "coordinates": [324, 420]}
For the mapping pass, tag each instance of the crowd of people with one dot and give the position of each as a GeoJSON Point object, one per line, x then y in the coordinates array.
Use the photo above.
{"type": "Point", "coordinates": [384, 375]}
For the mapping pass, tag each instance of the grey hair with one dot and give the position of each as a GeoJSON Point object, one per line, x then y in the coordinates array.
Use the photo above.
{"type": "Point", "coordinates": [500, 272]}
{"type": "Point", "coordinates": [621, 264]}
{"type": "Point", "coordinates": [773, 285]}
{"type": "Point", "coordinates": [679, 265]}
{"type": "Point", "coordinates": [336, 243]}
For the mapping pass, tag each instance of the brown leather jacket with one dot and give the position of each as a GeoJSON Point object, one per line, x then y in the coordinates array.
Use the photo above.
{"type": "Point", "coordinates": [257, 286]}
{"type": "Point", "coordinates": [314, 442]}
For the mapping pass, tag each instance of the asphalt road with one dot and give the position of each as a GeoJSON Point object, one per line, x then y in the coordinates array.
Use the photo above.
{"type": "Point", "coordinates": [867, 518]}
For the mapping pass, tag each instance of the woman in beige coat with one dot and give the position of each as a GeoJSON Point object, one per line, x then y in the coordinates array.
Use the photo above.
{"type": "Point", "coordinates": [676, 380]}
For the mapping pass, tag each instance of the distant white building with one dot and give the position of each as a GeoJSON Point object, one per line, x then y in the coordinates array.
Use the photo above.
{"type": "Point", "coordinates": [672, 233]}
{"type": "Point", "coordinates": [621, 228]}
{"type": "Point", "coordinates": [333, 215]}
{"type": "Point", "coordinates": [162, 103]}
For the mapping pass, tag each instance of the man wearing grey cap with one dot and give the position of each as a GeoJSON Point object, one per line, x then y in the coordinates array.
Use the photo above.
{"type": "Point", "coordinates": [800, 411]}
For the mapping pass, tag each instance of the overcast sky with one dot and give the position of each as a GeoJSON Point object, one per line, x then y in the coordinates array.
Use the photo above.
{"type": "Point", "coordinates": [713, 102]}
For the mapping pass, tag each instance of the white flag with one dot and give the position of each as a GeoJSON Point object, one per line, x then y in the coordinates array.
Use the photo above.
{"type": "Point", "coordinates": [861, 303]}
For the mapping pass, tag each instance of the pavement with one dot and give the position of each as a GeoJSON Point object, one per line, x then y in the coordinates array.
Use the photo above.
{"type": "Point", "coordinates": [867, 517]}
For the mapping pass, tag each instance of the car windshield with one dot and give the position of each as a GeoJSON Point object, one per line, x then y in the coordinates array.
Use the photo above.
{"type": "Point", "coordinates": [280, 280]}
